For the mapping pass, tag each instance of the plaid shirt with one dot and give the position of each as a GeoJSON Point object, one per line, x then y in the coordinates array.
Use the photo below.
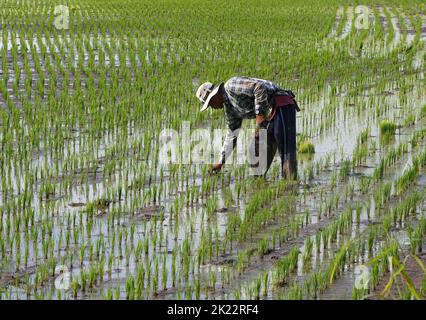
{"type": "Point", "coordinates": [244, 98]}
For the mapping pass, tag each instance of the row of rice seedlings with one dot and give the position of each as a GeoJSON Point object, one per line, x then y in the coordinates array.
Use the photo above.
{"type": "Point", "coordinates": [360, 152]}
{"type": "Point", "coordinates": [276, 277]}
{"type": "Point", "coordinates": [378, 105]}
{"type": "Point", "coordinates": [416, 236]}
{"type": "Point", "coordinates": [199, 255]}
{"type": "Point", "coordinates": [388, 260]}
{"type": "Point", "coordinates": [291, 231]}
{"type": "Point", "coordinates": [417, 137]}
{"type": "Point", "coordinates": [393, 155]}
{"type": "Point", "coordinates": [283, 269]}
{"type": "Point", "coordinates": [387, 130]}
{"type": "Point", "coordinates": [149, 196]}
{"type": "Point", "coordinates": [379, 265]}
{"type": "Point", "coordinates": [408, 205]}
{"type": "Point", "coordinates": [252, 221]}
{"type": "Point", "coordinates": [319, 281]}
{"type": "Point", "coordinates": [409, 175]}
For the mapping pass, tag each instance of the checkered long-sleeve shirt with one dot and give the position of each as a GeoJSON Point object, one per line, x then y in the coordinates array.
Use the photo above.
{"type": "Point", "coordinates": [244, 98]}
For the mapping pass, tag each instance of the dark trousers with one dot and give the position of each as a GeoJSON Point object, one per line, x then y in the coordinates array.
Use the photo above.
{"type": "Point", "coordinates": [281, 136]}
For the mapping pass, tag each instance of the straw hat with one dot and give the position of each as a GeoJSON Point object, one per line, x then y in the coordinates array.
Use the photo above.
{"type": "Point", "coordinates": [205, 92]}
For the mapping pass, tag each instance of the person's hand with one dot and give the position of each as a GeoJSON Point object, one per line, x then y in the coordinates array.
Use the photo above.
{"type": "Point", "coordinates": [261, 123]}
{"type": "Point", "coordinates": [215, 168]}
{"type": "Point", "coordinates": [260, 119]}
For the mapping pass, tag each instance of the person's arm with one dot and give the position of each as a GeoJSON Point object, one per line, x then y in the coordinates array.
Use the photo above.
{"type": "Point", "coordinates": [234, 124]}
{"type": "Point", "coordinates": [230, 139]}
{"type": "Point", "coordinates": [261, 104]}
{"type": "Point", "coordinates": [262, 107]}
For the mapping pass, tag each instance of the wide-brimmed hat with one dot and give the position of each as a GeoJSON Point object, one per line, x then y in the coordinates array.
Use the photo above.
{"type": "Point", "coordinates": [207, 91]}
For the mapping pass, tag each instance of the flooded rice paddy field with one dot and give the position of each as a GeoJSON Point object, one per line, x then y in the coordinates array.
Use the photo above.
{"type": "Point", "coordinates": [89, 212]}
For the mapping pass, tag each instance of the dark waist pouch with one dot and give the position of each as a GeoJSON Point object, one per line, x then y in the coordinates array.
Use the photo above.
{"type": "Point", "coordinates": [285, 97]}
{"type": "Point", "coordinates": [281, 100]}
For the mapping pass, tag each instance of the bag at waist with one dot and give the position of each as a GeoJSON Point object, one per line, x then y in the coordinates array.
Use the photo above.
{"type": "Point", "coordinates": [281, 101]}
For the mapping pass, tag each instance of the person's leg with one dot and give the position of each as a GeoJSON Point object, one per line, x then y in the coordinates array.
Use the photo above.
{"type": "Point", "coordinates": [291, 163]}
{"type": "Point", "coordinates": [285, 136]}
{"type": "Point", "coordinates": [256, 161]}
{"type": "Point", "coordinates": [271, 150]}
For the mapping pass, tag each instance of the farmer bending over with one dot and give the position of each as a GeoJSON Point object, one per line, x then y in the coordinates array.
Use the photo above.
{"type": "Point", "coordinates": [273, 108]}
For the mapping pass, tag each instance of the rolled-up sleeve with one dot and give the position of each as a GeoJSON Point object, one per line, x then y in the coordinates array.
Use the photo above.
{"type": "Point", "coordinates": [261, 100]}
{"type": "Point", "coordinates": [234, 125]}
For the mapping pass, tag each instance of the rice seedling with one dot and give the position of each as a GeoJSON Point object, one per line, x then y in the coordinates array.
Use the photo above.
{"type": "Point", "coordinates": [263, 247]}
{"type": "Point", "coordinates": [306, 147]}
{"type": "Point", "coordinates": [387, 130]}
{"type": "Point", "coordinates": [344, 170]}
{"type": "Point", "coordinates": [416, 236]}
{"type": "Point", "coordinates": [307, 253]}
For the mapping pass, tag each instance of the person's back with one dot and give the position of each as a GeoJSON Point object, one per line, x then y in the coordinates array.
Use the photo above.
{"type": "Point", "coordinates": [247, 95]}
